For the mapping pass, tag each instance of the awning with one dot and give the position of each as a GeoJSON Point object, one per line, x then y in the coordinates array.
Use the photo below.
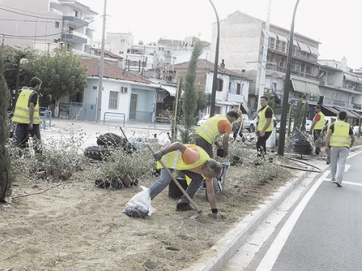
{"type": "Point", "coordinates": [299, 86]}
{"type": "Point", "coordinates": [352, 78]}
{"type": "Point", "coordinates": [282, 38]}
{"type": "Point", "coordinates": [313, 50]}
{"type": "Point", "coordinates": [303, 47]}
{"type": "Point", "coordinates": [171, 90]}
{"type": "Point", "coordinates": [313, 89]}
{"type": "Point", "coordinates": [331, 109]}
{"type": "Point", "coordinates": [244, 108]}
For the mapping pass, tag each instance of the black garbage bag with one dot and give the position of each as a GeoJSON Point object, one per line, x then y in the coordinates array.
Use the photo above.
{"type": "Point", "coordinates": [301, 145]}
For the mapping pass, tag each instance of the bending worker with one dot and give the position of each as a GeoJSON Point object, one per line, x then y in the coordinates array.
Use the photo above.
{"type": "Point", "coordinates": [212, 129]}
{"type": "Point", "coordinates": [195, 163]}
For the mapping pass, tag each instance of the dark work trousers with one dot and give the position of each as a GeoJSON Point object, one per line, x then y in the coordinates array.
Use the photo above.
{"type": "Point", "coordinates": [316, 135]}
{"type": "Point", "coordinates": [199, 141]}
{"type": "Point", "coordinates": [261, 143]}
{"type": "Point", "coordinates": [22, 135]}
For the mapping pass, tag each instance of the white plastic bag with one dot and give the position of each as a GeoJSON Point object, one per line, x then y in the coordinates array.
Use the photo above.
{"type": "Point", "coordinates": [140, 205]}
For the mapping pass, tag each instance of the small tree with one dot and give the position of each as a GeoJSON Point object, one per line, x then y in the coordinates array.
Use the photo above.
{"type": "Point", "coordinates": [5, 176]}
{"type": "Point", "coordinates": [190, 96]}
{"type": "Point", "coordinates": [62, 74]}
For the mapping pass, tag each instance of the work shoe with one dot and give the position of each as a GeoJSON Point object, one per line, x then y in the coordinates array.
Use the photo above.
{"type": "Point", "coordinates": [337, 183]}
{"type": "Point", "coordinates": [183, 206]}
{"type": "Point", "coordinates": [328, 161]}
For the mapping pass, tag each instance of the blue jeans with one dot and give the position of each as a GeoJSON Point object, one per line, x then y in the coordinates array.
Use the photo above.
{"type": "Point", "coordinates": [165, 180]}
{"type": "Point", "coordinates": [22, 134]}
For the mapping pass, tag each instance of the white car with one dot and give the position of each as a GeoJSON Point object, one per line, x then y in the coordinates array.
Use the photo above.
{"type": "Point", "coordinates": [204, 118]}
{"type": "Point", "coordinates": [250, 125]}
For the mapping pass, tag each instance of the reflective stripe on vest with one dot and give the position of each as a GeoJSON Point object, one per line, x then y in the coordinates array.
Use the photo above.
{"type": "Point", "coordinates": [174, 159]}
{"type": "Point", "coordinates": [340, 136]}
{"type": "Point", "coordinates": [262, 120]}
{"type": "Point", "coordinates": [209, 130]}
{"type": "Point", "coordinates": [320, 124]}
{"type": "Point", "coordinates": [21, 112]}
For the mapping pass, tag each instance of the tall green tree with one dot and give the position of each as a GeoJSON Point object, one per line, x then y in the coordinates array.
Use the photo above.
{"type": "Point", "coordinates": [5, 176]}
{"type": "Point", "coordinates": [62, 74]}
{"type": "Point", "coordinates": [190, 96]}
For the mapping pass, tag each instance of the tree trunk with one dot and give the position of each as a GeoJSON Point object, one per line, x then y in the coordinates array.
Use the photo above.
{"type": "Point", "coordinates": [56, 108]}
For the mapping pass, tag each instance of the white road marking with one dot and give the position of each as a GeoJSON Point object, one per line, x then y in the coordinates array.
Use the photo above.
{"type": "Point", "coordinates": [272, 254]}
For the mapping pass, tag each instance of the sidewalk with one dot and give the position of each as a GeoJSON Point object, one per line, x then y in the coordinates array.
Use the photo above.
{"type": "Point", "coordinates": [134, 131]}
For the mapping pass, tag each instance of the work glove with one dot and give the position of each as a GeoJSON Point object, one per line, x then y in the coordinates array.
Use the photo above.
{"type": "Point", "coordinates": [30, 126]}
{"type": "Point", "coordinates": [214, 213]}
{"type": "Point", "coordinates": [158, 155]}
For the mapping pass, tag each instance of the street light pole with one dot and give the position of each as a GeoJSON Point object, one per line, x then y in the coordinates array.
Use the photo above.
{"type": "Point", "coordinates": [216, 64]}
{"type": "Point", "coordinates": [287, 86]}
{"type": "Point", "coordinates": [101, 67]}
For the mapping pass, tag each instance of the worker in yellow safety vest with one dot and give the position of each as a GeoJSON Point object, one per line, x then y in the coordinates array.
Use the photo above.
{"type": "Point", "coordinates": [317, 126]}
{"type": "Point", "coordinates": [195, 163]}
{"type": "Point", "coordinates": [238, 124]}
{"type": "Point", "coordinates": [212, 129]}
{"type": "Point", "coordinates": [265, 125]}
{"type": "Point", "coordinates": [340, 137]}
{"type": "Point", "coordinates": [26, 113]}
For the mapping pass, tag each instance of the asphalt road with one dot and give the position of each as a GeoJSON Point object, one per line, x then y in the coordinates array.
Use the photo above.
{"type": "Point", "coordinates": [324, 229]}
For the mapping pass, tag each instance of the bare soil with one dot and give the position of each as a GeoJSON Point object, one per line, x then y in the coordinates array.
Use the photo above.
{"type": "Point", "coordinates": [73, 225]}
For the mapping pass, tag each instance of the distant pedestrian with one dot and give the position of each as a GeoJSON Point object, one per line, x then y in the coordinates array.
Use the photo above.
{"type": "Point", "coordinates": [338, 138]}
{"type": "Point", "coordinates": [265, 125]}
{"type": "Point", "coordinates": [317, 126]}
{"type": "Point", "coordinates": [212, 129]}
{"type": "Point", "coordinates": [238, 124]}
{"type": "Point", "coordinates": [26, 113]}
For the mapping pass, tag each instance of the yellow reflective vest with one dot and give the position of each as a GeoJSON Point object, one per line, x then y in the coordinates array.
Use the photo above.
{"type": "Point", "coordinates": [209, 130]}
{"type": "Point", "coordinates": [21, 112]}
{"type": "Point", "coordinates": [262, 120]}
{"type": "Point", "coordinates": [174, 159]}
{"type": "Point", "coordinates": [340, 136]}
{"type": "Point", "coordinates": [320, 124]}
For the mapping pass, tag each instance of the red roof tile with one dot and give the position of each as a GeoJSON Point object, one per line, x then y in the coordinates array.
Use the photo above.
{"type": "Point", "coordinates": [111, 70]}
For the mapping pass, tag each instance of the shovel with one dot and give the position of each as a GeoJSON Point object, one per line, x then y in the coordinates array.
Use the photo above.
{"type": "Point", "coordinates": [198, 211]}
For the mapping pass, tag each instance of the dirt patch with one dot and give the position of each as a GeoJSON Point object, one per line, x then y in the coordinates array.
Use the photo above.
{"type": "Point", "coordinates": [77, 226]}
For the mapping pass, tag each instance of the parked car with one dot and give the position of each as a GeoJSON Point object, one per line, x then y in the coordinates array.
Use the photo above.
{"type": "Point", "coordinates": [308, 124]}
{"type": "Point", "coordinates": [204, 118]}
{"type": "Point", "coordinates": [249, 125]}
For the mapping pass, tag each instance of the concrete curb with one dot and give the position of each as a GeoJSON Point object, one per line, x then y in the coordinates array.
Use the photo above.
{"type": "Point", "coordinates": [231, 242]}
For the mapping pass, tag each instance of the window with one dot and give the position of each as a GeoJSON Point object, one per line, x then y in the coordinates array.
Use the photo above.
{"type": "Point", "coordinates": [95, 87]}
{"type": "Point", "coordinates": [120, 52]}
{"type": "Point", "coordinates": [113, 100]}
{"type": "Point", "coordinates": [229, 86]}
{"type": "Point", "coordinates": [220, 84]}
{"type": "Point", "coordinates": [75, 13]}
{"type": "Point", "coordinates": [56, 24]}
{"type": "Point", "coordinates": [238, 88]}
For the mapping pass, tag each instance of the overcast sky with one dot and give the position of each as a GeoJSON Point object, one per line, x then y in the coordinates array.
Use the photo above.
{"type": "Point", "coordinates": [334, 23]}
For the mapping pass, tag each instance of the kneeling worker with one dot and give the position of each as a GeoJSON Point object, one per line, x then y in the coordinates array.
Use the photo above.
{"type": "Point", "coordinates": [195, 163]}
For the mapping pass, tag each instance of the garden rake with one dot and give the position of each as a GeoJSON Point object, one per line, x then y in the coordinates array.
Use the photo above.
{"type": "Point", "coordinates": [198, 211]}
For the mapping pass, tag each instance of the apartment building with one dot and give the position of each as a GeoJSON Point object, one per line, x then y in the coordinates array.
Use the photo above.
{"type": "Point", "coordinates": [241, 46]}
{"type": "Point", "coordinates": [341, 88]}
{"type": "Point", "coordinates": [47, 24]}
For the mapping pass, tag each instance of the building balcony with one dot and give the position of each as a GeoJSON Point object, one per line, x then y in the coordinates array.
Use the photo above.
{"type": "Point", "coordinates": [75, 37]}
{"type": "Point", "coordinates": [75, 21]}
{"type": "Point", "coordinates": [235, 98]}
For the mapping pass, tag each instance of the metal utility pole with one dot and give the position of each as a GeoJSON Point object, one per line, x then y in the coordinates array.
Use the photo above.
{"type": "Point", "coordinates": [101, 67]}
{"type": "Point", "coordinates": [287, 86]}
{"type": "Point", "coordinates": [216, 64]}
{"type": "Point", "coordinates": [264, 56]}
